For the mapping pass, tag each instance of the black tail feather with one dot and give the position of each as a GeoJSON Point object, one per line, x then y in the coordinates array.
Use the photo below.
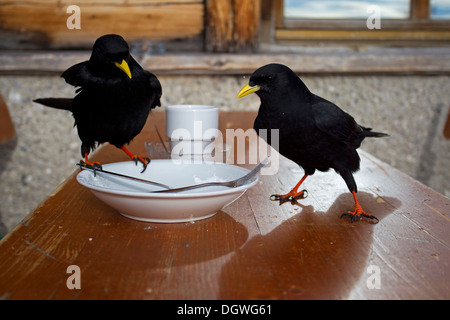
{"type": "Point", "coordinates": [57, 103]}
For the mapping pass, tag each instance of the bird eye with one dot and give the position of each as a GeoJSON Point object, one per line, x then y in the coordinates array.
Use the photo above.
{"type": "Point", "coordinates": [115, 57]}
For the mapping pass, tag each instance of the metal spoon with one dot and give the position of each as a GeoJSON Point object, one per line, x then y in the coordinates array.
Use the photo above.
{"type": "Point", "coordinates": [232, 184]}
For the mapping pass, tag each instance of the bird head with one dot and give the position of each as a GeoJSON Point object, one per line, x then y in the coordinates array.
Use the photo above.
{"type": "Point", "coordinates": [273, 80]}
{"type": "Point", "coordinates": [110, 55]}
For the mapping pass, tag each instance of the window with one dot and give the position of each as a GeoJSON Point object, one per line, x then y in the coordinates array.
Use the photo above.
{"type": "Point", "coordinates": [400, 21]}
{"type": "Point", "coordinates": [440, 9]}
{"type": "Point", "coordinates": [353, 9]}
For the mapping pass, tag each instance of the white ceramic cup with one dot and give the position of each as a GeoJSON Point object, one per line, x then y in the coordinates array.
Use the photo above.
{"type": "Point", "coordinates": [191, 128]}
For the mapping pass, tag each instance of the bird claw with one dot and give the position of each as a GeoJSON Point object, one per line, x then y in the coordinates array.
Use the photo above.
{"type": "Point", "coordinates": [356, 216]}
{"type": "Point", "coordinates": [281, 198]}
{"type": "Point", "coordinates": [144, 160]}
{"type": "Point", "coordinates": [95, 166]}
{"type": "Point", "coordinates": [291, 197]}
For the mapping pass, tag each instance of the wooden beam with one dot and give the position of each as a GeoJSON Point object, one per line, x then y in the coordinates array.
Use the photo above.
{"type": "Point", "coordinates": [246, 24]}
{"type": "Point", "coordinates": [362, 35]}
{"type": "Point", "coordinates": [320, 61]}
{"type": "Point", "coordinates": [278, 11]}
{"type": "Point", "coordinates": [231, 25]}
{"type": "Point", "coordinates": [219, 25]}
{"type": "Point", "coordinates": [420, 9]}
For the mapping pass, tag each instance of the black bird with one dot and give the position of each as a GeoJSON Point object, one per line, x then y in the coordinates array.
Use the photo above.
{"type": "Point", "coordinates": [115, 96]}
{"type": "Point", "coordinates": [313, 132]}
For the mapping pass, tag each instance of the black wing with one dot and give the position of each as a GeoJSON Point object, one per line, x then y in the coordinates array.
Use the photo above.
{"type": "Point", "coordinates": [77, 75]}
{"type": "Point", "coordinates": [333, 121]}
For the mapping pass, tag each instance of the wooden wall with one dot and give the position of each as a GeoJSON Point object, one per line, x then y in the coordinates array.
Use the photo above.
{"type": "Point", "coordinates": [218, 25]}
{"type": "Point", "coordinates": [42, 23]}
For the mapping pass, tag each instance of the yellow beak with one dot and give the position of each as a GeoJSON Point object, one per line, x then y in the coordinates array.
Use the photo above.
{"type": "Point", "coordinates": [124, 67]}
{"type": "Point", "coordinates": [247, 90]}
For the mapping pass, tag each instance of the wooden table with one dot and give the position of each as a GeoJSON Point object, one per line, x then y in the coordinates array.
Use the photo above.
{"type": "Point", "coordinates": [252, 249]}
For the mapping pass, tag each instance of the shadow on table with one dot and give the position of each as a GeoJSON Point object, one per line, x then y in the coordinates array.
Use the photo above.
{"type": "Point", "coordinates": [312, 255]}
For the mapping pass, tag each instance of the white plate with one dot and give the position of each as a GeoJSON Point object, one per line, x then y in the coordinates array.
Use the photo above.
{"type": "Point", "coordinates": [134, 199]}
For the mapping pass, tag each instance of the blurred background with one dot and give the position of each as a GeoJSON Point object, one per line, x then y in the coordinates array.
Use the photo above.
{"type": "Point", "coordinates": [385, 62]}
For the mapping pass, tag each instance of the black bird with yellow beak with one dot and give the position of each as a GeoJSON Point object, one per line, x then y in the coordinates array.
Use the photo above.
{"type": "Point", "coordinates": [115, 96]}
{"type": "Point", "coordinates": [313, 132]}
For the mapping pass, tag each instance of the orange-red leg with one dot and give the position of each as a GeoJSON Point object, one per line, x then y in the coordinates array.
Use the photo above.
{"type": "Point", "coordinates": [358, 211]}
{"type": "Point", "coordinates": [88, 164]}
{"type": "Point", "coordinates": [144, 160]}
{"type": "Point", "coordinates": [292, 195]}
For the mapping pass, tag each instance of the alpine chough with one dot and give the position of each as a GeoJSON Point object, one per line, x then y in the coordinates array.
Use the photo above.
{"type": "Point", "coordinates": [313, 132]}
{"type": "Point", "coordinates": [114, 97]}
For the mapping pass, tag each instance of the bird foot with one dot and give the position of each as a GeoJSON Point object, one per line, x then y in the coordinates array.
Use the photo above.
{"type": "Point", "coordinates": [96, 166]}
{"type": "Point", "coordinates": [144, 160]}
{"type": "Point", "coordinates": [358, 213]}
{"type": "Point", "coordinates": [292, 196]}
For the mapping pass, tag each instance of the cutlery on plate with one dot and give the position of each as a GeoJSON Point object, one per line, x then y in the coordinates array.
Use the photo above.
{"type": "Point", "coordinates": [232, 184]}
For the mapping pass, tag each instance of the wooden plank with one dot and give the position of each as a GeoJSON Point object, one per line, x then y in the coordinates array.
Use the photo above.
{"type": "Point", "coordinates": [158, 22]}
{"type": "Point", "coordinates": [123, 2]}
{"type": "Point", "coordinates": [361, 24]}
{"type": "Point", "coordinates": [418, 61]}
{"type": "Point", "coordinates": [82, 3]}
{"type": "Point", "coordinates": [362, 35]}
{"type": "Point", "coordinates": [303, 63]}
{"type": "Point", "coordinates": [7, 131]}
